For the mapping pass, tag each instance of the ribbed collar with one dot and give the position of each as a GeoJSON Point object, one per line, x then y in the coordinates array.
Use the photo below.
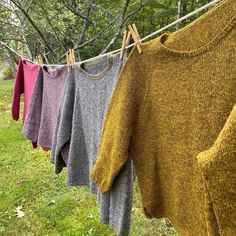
{"type": "Point", "coordinates": [53, 73]}
{"type": "Point", "coordinates": [202, 34]}
{"type": "Point", "coordinates": [109, 60]}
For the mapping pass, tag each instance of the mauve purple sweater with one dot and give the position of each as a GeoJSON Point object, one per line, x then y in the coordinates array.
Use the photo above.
{"type": "Point", "coordinates": [43, 106]}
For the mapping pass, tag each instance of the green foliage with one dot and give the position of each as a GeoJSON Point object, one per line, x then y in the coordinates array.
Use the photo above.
{"type": "Point", "coordinates": [8, 74]}
{"type": "Point", "coordinates": [61, 24]}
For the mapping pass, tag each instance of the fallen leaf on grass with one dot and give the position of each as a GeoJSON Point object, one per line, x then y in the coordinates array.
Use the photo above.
{"type": "Point", "coordinates": [21, 182]}
{"type": "Point", "coordinates": [19, 213]}
{"type": "Point", "coordinates": [90, 216]}
{"type": "Point", "coordinates": [51, 202]}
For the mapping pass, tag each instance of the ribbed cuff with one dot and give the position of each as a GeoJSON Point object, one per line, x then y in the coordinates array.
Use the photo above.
{"type": "Point", "coordinates": [15, 116]}
{"type": "Point", "coordinates": [99, 177]}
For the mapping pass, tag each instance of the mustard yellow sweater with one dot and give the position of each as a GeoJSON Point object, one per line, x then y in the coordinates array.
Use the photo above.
{"type": "Point", "coordinates": [218, 165]}
{"type": "Point", "coordinates": [170, 103]}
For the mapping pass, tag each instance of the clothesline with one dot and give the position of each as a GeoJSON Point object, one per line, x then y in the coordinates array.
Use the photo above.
{"type": "Point", "coordinates": [133, 44]}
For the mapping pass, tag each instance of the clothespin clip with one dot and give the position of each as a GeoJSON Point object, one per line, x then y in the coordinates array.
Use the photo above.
{"type": "Point", "coordinates": [136, 37]}
{"type": "Point", "coordinates": [70, 58]}
{"type": "Point", "coordinates": [125, 43]}
{"type": "Point", "coordinates": [39, 59]}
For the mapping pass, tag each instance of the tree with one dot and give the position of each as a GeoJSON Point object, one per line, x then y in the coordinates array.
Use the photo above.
{"type": "Point", "coordinates": [90, 27]}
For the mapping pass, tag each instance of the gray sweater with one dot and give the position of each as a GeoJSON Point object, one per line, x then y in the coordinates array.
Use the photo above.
{"type": "Point", "coordinates": [87, 92]}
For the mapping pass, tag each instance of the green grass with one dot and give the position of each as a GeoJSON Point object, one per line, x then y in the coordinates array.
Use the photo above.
{"type": "Point", "coordinates": [27, 179]}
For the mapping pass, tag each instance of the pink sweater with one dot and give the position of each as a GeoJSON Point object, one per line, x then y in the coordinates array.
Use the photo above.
{"type": "Point", "coordinates": [25, 79]}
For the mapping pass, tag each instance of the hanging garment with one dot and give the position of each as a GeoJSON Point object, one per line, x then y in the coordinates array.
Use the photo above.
{"type": "Point", "coordinates": [170, 104]}
{"type": "Point", "coordinates": [25, 79]}
{"type": "Point", "coordinates": [41, 117]}
{"type": "Point", "coordinates": [86, 95]}
{"type": "Point", "coordinates": [218, 165]}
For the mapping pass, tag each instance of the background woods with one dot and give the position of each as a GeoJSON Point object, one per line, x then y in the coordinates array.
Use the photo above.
{"type": "Point", "coordinates": [91, 27]}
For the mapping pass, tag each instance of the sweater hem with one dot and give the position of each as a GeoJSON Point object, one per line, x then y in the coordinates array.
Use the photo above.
{"type": "Point", "coordinates": [35, 141]}
{"type": "Point", "coordinates": [15, 118]}
{"type": "Point", "coordinates": [99, 180]}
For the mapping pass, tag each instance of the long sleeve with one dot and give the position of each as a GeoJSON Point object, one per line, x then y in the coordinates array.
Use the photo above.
{"type": "Point", "coordinates": [218, 165]}
{"type": "Point", "coordinates": [18, 90]}
{"type": "Point", "coordinates": [119, 124]}
{"type": "Point", "coordinates": [33, 117]}
{"type": "Point", "coordinates": [62, 134]}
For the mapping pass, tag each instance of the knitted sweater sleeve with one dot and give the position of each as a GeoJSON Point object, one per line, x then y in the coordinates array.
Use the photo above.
{"type": "Point", "coordinates": [119, 124]}
{"type": "Point", "coordinates": [33, 116]}
{"type": "Point", "coordinates": [18, 90]}
{"type": "Point", "coordinates": [218, 165]}
{"type": "Point", "coordinates": [62, 133]}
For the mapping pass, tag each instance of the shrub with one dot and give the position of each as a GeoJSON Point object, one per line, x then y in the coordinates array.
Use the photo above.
{"type": "Point", "coordinates": [8, 74]}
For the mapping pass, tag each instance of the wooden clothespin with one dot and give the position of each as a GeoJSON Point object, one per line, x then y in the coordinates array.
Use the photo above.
{"type": "Point", "coordinates": [125, 43]}
{"type": "Point", "coordinates": [136, 37]}
{"type": "Point", "coordinates": [70, 58]}
{"type": "Point", "coordinates": [39, 59]}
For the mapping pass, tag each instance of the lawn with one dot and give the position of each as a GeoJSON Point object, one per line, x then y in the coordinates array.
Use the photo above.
{"type": "Point", "coordinates": [27, 179]}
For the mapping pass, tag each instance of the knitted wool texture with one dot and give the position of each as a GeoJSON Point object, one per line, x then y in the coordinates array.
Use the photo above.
{"type": "Point", "coordinates": [43, 107]}
{"type": "Point", "coordinates": [25, 78]}
{"type": "Point", "coordinates": [84, 102]}
{"type": "Point", "coordinates": [218, 166]}
{"type": "Point", "coordinates": [170, 104]}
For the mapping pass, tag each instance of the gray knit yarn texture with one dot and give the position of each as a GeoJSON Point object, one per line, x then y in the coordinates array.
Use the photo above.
{"type": "Point", "coordinates": [88, 90]}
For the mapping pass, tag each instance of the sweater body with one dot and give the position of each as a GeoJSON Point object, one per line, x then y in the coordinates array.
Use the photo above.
{"type": "Point", "coordinates": [173, 100]}
{"type": "Point", "coordinates": [41, 119]}
{"type": "Point", "coordinates": [79, 125]}
{"type": "Point", "coordinates": [218, 166]}
{"type": "Point", "coordinates": [24, 82]}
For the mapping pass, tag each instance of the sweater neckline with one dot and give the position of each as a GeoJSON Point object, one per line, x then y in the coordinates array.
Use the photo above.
{"type": "Point", "coordinates": [50, 72]}
{"type": "Point", "coordinates": [109, 62]}
{"type": "Point", "coordinates": [30, 66]}
{"type": "Point", "coordinates": [207, 46]}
